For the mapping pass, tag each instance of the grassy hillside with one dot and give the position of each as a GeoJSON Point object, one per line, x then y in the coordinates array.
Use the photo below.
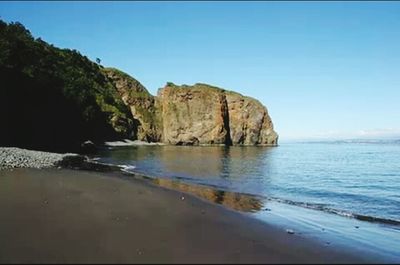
{"type": "Point", "coordinates": [53, 99]}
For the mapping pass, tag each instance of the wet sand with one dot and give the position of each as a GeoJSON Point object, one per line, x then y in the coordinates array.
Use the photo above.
{"type": "Point", "coordinates": [70, 216]}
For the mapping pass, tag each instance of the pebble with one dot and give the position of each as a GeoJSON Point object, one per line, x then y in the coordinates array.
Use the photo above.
{"type": "Point", "coordinates": [290, 231]}
{"type": "Point", "coordinates": [12, 157]}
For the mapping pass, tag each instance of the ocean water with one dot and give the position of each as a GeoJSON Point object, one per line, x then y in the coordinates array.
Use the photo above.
{"type": "Point", "coordinates": [356, 179]}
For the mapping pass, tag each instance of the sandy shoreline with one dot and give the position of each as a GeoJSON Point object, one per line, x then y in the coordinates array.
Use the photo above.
{"type": "Point", "coordinates": [57, 216]}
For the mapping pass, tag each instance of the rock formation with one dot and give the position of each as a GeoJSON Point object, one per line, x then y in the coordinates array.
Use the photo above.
{"type": "Point", "coordinates": [203, 114]}
{"type": "Point", "coordinates": [140, 102]}
{"type": "Point", "coordinates": [56, 99]}
{"type": "Point", "coordinates": [249, 121]}
{"type": "Point", "coordinates": [193, 115]}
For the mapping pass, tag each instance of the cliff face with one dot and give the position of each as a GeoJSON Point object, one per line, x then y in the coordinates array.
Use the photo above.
{"type": "Point", "coordinates": [141, 103]}
{"type": "Point", "coordinates": [203, 114]}
{"type": "Point", "coordinates": [249, 121]}
{"type": "Point", "coordinates": [90, 102]}
{"type": "Point", "coordinates": [193, 115]}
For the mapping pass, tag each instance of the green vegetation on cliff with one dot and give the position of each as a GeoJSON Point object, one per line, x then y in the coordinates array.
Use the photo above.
{"type": "Point", "coordinates": [82, 103]}
{"type": "Point", "coordinates": [141, 102]}
{"type": "Point", "coordinates": [55, 99]}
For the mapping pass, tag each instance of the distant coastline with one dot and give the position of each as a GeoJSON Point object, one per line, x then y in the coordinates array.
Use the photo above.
{"type": "Point", "coordinates": [382, 140]}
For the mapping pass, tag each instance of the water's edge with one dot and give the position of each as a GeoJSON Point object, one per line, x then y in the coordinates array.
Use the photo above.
{"type": "Point", "coordinates": [179, 183]}
{"type": "Point", "coordinates": [326, 227]}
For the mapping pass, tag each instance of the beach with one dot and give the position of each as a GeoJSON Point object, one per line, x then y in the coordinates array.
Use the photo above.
{"type": "Point", "coordinates": [213, 132]}
{"type": "Point", "coordinates": [72, 216]}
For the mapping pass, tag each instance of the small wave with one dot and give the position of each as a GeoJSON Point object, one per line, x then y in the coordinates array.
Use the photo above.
{"type": "Point", "coordinates": [127, 168]}
{"type": "Point", "coordinates": [97, 161]}
{"type": "Point", "coordinates": [325, 208]}
{"type": "Point", "coordinates": [123, 167]}
{"type": "Point", "coordinates": [339, 212]}
{"type": "Point", "coordinates": [127, 142]}
{"type": "Point", "coordinates": [314, 206]}
{"type": "Point", "coordinates": [377, 219]}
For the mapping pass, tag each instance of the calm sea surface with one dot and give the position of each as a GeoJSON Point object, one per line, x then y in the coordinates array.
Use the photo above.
{"type": "Point", "coordinates": [350, 178]}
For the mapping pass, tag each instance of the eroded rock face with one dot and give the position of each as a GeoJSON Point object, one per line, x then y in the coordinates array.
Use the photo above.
{"type": "Point", "coordinates": [249, 121]}
{"type": "Point", "coordinates": [205, 114]}
{"type": "Point", "coordinates": [194, 115]}
{"type": "Point", "coordinates": [140, 102]}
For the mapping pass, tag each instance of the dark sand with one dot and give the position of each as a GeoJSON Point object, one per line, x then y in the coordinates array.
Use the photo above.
{"type": "Point", "coordinates": [67, 216]}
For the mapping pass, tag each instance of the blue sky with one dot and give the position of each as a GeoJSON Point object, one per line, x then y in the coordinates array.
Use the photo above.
{"type": "Point", "coordinates": [323, 69]}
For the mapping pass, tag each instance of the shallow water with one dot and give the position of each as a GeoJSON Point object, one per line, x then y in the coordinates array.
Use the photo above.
{"type": "Point", "coordinates": [349, 178]}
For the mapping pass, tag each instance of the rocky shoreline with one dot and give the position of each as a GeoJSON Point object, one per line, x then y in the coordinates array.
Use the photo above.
{"type": "Point", "coordinates": [12, 157]}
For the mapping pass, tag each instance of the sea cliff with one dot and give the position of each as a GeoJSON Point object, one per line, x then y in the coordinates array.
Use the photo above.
{"type": "Point", "coordinates": [55, 99]}
{"type": "Point", "coordinates": [194, 115]}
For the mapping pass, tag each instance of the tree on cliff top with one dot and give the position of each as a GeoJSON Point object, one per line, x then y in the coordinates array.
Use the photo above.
{"type": "Point", "coordinates": [80, 85]}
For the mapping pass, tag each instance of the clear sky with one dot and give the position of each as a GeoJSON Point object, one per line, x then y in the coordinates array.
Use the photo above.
{"type": "Point", "coordinates": [323, 69]}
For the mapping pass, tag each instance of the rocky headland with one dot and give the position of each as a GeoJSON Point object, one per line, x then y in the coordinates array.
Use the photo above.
{"type": "Point", "coordinates": [194, 115]}
{"type": "Point", "coordinates": [55, 99]}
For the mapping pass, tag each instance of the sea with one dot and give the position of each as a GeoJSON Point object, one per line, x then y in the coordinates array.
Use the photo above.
{"type": "Point", "coordinates": [341, 180]}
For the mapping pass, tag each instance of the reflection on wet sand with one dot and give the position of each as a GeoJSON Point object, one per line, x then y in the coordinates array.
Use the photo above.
{"type": "Point", "coordinates": [236, 201]}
